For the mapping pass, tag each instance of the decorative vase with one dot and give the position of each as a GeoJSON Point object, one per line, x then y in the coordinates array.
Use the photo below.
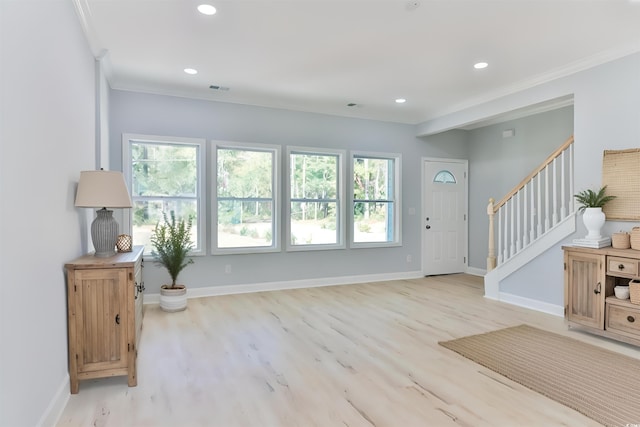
{"type": "Point", "coordinates": [173, 299]}
{"type": "Point", "coordinates": [594, 220]}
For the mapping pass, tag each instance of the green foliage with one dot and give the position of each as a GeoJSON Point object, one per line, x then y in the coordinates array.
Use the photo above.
{"type": "Point", "coordinates": [172, 242]}
{"type": "Point", "coordinates": [591, 199]}
{"type": "Point", "coordinates": [161, 170]}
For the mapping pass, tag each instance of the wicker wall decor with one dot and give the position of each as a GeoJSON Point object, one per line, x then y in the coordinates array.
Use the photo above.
{"type": "Point", "coordinates": [621, 175]}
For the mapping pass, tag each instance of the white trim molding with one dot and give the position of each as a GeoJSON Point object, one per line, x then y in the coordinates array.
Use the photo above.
{"type": "Point", "coordinates": [211, 291]}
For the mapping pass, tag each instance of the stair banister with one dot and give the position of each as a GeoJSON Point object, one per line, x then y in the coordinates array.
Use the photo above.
{"type": "Point", "coordinates": [514, 220]}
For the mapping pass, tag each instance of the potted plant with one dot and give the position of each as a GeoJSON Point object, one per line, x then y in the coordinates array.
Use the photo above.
{"type": "Point", "coordinates": [591, 203]}
{"type": "Point", "coordinates": [172, 242]}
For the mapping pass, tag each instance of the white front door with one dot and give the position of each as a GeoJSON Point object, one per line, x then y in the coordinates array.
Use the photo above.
{"type": "Point", "coordinates": [444, 222]}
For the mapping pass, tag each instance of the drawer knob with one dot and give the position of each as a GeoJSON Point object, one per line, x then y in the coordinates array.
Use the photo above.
{"type": "Point", "coordinates": [621, 267]}
{"type": "Point", "coordinates": [631, 319]}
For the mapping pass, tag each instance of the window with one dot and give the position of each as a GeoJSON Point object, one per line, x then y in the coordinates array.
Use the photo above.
{"type": "Point", "coordinates": [376, 200]}
{"type": "Point", "coordinates": [245, 198]}
{"type": "Point", "coordinates": [444, 177]}
{"type": "Point", "coordinates": [164, 174]}
{"type": "Point", "coordinates": [315, 216]}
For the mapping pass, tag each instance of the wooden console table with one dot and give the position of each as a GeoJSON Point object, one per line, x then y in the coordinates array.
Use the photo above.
{"type": "Point", "coordinates": [589, 277]}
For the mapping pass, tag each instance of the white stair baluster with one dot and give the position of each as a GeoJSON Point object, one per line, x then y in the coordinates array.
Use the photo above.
{"type": "Point", "coordinates": [563, 195]}
{"type": "Point", "coordinates": [547, 210]}
{"type": "Point", "coordinates": [554, 194]}
{"type": "Point", "coordinates": [525, 215]}
{"type": "Point", "coordinates": [518, 222]}
{"type": "Point", "coordinates": [512, 246]}
{"type": "Point", "coordinates": [500, 257]}
{"type": "Point", "coordinates": [539, 207]}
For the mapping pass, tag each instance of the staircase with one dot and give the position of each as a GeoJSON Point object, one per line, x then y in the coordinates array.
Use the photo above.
{"type": "Point", "coordinates": [533, 217]}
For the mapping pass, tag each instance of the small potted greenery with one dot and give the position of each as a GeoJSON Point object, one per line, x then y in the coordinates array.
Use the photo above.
{"type": "Point", "coordinates": [591, 203]}
{"type": "Point", "coordinates": [172, 242]}
{"type": "Point", "coordinates": [590, 199]}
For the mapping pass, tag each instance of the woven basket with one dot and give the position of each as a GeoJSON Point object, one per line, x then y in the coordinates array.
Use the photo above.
{"type": "Point", "coordinates": [634, 291]}
{"type": "Point", "coordinates": [621, 241]}
{"type": "Point", "coordinates": [634, 240]}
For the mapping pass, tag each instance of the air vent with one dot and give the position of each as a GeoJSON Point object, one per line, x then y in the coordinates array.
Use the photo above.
{"type": "Point", "coordinates": [221, 88]}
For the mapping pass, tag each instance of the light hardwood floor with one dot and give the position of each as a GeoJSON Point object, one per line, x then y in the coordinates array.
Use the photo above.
{"type": "Point", "coordinates": [357, 355]}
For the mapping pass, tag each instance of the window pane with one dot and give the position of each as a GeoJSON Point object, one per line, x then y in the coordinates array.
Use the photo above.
{"type": "Point", "coordinates": [147, 213]}
{"type": "Point", "coordinates": [314, 176]}
{"type": "Point", "coordinates": [372, 179]}
{"type": "Point", "coordinates": [245, 223]}
{"type": "Point", "coordinates": [375, 220]}
{"type": "Point", "coordinates": [164, 177]}
{"type": "Point", "coordinates": [372, 222]}
{"type": "Point", "coordinates": [444, 177]}
{"type": "Point", "coordinates": [164, 170]}
{"type": "Point", "coordinates": [314, 223]}
{"type": "Point", "coordinates": [245, 174]}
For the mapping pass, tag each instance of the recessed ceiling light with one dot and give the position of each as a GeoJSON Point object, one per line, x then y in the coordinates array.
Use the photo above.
{"type": "Point", "coordinates": [207, 9]}
{"type": "Point", "coordinates": [190, 71]}
{"type": "Point", "coordinates": [480, 65]}
{"type": "Point", "coordinates": [400, 101]}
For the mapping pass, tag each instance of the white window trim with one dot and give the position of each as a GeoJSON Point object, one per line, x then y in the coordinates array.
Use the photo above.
{"type": "Point", "coordinates": [277, 218]}
{"type": "Point", "coordinates": [127, 138]}
{"type": "Point", "coordinates": [397, 208]}
{"type": "Point", "coordinates": [341, 209]}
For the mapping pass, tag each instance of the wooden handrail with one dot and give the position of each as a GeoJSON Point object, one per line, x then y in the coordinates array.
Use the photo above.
{"type": "Point", "coordinates": [537, 170]}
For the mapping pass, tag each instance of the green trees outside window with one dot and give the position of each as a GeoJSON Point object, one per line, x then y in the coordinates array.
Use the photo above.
{"type": "Point", "coordinates": [245, 198]}
{"type": "Point", "coordinates": [164, 179]}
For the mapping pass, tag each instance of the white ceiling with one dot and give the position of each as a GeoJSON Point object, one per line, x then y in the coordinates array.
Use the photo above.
{"type": "Point", "coordinates": [320, 55]}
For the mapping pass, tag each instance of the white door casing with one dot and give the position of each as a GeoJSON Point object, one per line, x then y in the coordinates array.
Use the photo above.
{"type": "Point", "coordinates": [444, 220]}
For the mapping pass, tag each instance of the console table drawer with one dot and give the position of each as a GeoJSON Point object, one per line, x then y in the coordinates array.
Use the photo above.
{"type": "Point", "coordinates": [623, 319]}
{"type": "Point", "coordinates": [625, 267]}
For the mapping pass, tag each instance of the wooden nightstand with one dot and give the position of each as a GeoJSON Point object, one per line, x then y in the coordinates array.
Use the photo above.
{"type": "Point", "coordinates": [104, 300]}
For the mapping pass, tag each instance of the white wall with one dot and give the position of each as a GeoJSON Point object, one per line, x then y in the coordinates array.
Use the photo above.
{"type": "Point", "coordinates": [46, 138]}
{"type": "Point", "coordinates": [171, 116]}
{"type": "Point", "coordinates": [606, 117]}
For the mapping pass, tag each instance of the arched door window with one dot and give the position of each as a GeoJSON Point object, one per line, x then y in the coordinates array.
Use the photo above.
{"type": "Point", "coordinates": [444, 177]}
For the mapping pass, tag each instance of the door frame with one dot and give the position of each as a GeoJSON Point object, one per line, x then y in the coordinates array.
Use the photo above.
{"type": "Point", "coordinates": [423, 223]}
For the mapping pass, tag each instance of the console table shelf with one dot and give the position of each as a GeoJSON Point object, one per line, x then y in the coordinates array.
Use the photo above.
{"type": "Point", "coordinates": [590, 276]}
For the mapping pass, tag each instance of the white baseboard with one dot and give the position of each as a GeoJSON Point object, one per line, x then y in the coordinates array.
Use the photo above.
{"type": "Point", "coordinates": [209, 291]}
{"type": "Point", "coordinates": [532, 304]}
{"type": "Point", "coordinates": [476, 271]}
{"type": "Point", "coordinates": [52, 414]}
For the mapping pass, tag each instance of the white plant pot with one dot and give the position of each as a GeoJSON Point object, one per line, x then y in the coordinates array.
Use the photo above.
{"type": "Point", "coordinates": [172, 300]}
{"type": "Point", "coordinates": [593, 219]}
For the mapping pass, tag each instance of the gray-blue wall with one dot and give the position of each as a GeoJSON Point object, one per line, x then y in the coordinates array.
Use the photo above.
{"type": "Point", "coordinates": [172, 116]}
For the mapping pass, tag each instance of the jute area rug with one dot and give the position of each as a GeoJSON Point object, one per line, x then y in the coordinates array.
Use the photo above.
{"type": "Point", "coordinates": [601, 384]}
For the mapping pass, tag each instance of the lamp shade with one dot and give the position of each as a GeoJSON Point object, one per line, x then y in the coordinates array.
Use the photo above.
{"type": "Point", "coordinates": [102, 189]}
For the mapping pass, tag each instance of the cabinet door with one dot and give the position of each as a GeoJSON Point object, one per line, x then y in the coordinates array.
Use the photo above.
{"type": "Point", "coordinates": [101, 319]}
{"type": "Point", "coordinates": [586, 289]}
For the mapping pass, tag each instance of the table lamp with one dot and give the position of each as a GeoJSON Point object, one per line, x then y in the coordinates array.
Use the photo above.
{"type": "Point", "coordinates": [103, 189]}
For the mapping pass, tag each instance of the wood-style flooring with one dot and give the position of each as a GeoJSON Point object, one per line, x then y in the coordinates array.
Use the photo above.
{"type": "Point", "coordinates": [359, 355]}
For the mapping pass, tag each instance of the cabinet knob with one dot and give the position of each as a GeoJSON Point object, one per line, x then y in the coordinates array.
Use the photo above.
{"type": "Point", "coordinates": [597, 289]}
{"type": "Point", "coordinates": [631, 319]}
{"type": "Point", "coordinates": [621, 267]}
{"type": "Point", "coordinates": [117, 319]}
